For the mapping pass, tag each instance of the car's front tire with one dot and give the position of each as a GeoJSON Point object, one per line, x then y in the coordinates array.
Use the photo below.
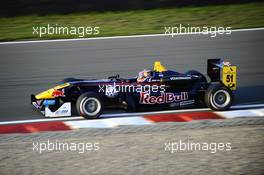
{"type": "Point", "coordinates": [218, 97]}
{"type": "Point", "coordinates": [90, 105]}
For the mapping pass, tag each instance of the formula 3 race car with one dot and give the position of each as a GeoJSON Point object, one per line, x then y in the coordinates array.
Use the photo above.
{"type": "Point", "coordinates": [163, 89]}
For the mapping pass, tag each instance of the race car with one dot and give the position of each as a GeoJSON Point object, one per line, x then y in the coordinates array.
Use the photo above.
{"type": "Point", "coordinates": [156, 89]}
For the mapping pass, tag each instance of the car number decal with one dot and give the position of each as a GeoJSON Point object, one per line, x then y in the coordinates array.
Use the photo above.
{"type": "Point", "coordinates": [229, 76]}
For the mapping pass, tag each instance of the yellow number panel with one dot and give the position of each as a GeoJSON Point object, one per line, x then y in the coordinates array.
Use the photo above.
{"type": "Point", "coordinates": [229, 76]}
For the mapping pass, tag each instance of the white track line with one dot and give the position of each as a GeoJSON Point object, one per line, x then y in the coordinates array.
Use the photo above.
{"type": "Point", "coordinates": [247, 106]}
{"type": "Point", "coordinates": [136, 114]}
{"type": "Point", "coordinates": [107, 123]}
{"type": "Point", "coordinates": [104, 116]}
{"type": "Point", "coordinates": [40, 120]}
{"type": "Point", "coordinates": [242, 113]}
{"type": "Point", "coordinates": [117, 37]}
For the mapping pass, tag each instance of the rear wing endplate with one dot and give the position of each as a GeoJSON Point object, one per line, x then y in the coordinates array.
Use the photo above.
{"type": "Point", "coordinates": [222, 71]}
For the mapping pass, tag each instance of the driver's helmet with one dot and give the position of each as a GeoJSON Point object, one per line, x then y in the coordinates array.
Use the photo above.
{"type": "Point", "coordinates": [144, 75]}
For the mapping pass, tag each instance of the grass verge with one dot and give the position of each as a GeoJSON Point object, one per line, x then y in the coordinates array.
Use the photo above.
{"type": "Point", "coordinates": [136, 22]}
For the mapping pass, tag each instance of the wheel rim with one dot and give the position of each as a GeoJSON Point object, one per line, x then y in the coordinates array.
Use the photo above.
{"type": "Point", "coordinates": [90, 106]}
{"type": "Point", "coordinates": [220, 99]}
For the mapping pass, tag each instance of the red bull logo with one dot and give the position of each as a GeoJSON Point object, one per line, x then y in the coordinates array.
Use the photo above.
{"type": "Point", "coordinates": [146, 98]}
{"type": "Point", "coordinates": [57, 93]}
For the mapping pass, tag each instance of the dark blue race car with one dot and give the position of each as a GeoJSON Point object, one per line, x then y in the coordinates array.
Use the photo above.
{"type": "Point", "coordinates": [155, 89]}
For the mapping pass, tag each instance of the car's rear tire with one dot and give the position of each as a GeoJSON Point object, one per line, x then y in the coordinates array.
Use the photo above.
{"type": "Point", "coordinates": [218, 97]}
{"type": "Point", "coordinates": [90, 105]}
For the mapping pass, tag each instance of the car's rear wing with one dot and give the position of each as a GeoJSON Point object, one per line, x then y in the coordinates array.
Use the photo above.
{"type": "Point", "coordinates": [222, 71]}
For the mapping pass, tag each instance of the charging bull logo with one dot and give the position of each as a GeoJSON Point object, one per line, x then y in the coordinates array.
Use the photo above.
{"type": "Point", "coordinates": [146, 98]}
{"type": "Point", "coordinates": [57, 93]}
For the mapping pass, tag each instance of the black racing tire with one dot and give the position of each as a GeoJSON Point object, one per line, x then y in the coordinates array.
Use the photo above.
{"type": "Point", "coordinates": [90, 105]}
{"type": "Point", "coordinates": [131, 104]}
{"type": "Point", "coordinates": [218, 97]}
{"type": "Point", "coordinates": [194, 72]}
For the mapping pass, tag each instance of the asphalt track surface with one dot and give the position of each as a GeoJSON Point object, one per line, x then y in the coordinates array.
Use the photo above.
{"type": "Point", "coordinates": [32, 67]}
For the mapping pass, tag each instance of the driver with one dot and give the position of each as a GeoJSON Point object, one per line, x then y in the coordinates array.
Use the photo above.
{"type": "Point", "coordinates": [144, 76]}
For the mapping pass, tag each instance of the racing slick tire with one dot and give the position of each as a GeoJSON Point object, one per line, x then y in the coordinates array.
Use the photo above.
{"type": "Point", "coordinates": [90, 105]}
{"type": "Point", "coordinates": [218, 97]}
